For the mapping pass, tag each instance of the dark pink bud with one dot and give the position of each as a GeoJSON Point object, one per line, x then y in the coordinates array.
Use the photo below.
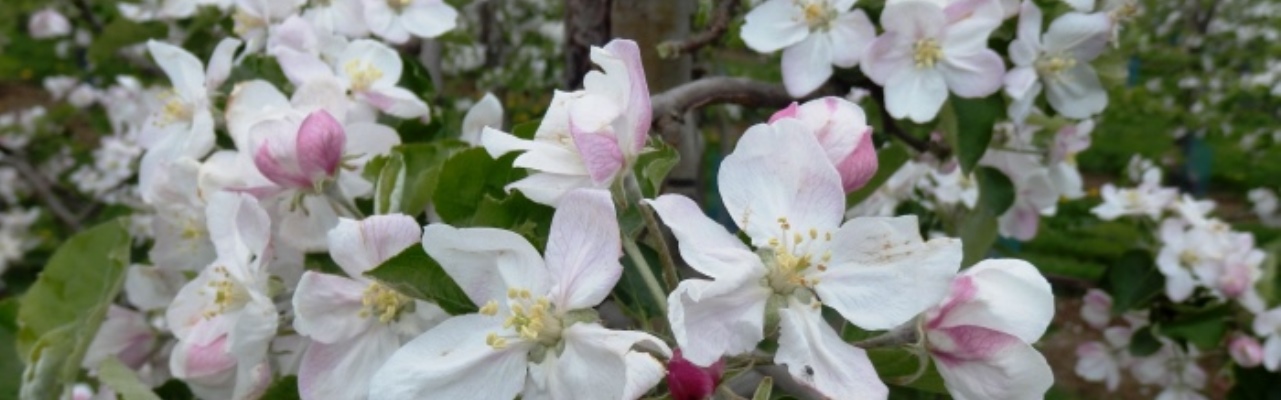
{"type": "Point", "coordinates": [789, 112]}
{"type": "Point", "coordinates": [688, 381]}
{"type": "Point", "coordinates": [314, 154]}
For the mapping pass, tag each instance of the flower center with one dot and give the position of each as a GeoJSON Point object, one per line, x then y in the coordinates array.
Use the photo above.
{"type": "Point", "coordinates": [1187, 259]}
{"type": "Point", "coordinates": [174, 109]}
{"type": "Point", "coordinates": [816, 14]}
{"type": "Point", "coordinates": [384, 303]}
{"type": "Point", "coordinates": [228, 293]}
{"type": "Point", "coordinates": [362, 74]}
{"type": "Point", "coordinates": [1125, 12]}
{"type": "Point", "coordinates": [789, 258]}
{"type": "Point", "coordinates": [246, 22]}
{"type": "Point", "coordinates": [398, 5]}
{"type": "Point", "coordinates": [926, 52]}
{"type": "Point", "coordinates": [1054, 66]}
{"type": "Point", "coordinates": [531, 318]}
{"type": "Point", "coordinates": [1133, 200]}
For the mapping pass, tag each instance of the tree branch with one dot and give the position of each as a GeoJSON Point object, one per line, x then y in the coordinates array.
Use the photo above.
{"type": "Point", "coordinates": [891, 128]}
{"type": "Point", "coordinates": [719, 23]}
{"type": "Point", "coordinates": [42, 188]}
{"type": "Point", "coordinates": [87, 14]}
{"type": "Point", "coordinates": [670, 106]}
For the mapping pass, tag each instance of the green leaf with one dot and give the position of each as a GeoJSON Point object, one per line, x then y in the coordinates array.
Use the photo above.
{"type": "Point", "coordinates": [653, 165]}
{"type": "Point", "coordinates": [124, 381]}
{"type": "Point", "coordinates": [61, 311]}
{"type": "Point", "coordinates": [415, 274]}
{"type": "Point", "coordinates": [1144, 343]}
{"type": "Point", "coordinates": [1205, 328]}
{"type": "Point", "coordinates": [465, 179]}
{"type": "Point", "coordinates": [975, 120]}
{"type": "Point", "coordinates": [764, 389]}
{"type": "Point", "coordinates": [285, 388]}
{"type": "Point", "coordinates": [120, 33]}
{"type": "Point", "coordinates": [1133, 281]}
{"type": "Point", "coordinates": [898, 366]}
{"type": "Point", "coordinates": [889, 160]}
{"type": "Point", "coordinates": [10, 362]}
{"type": "Point", "coordinates": [389, 185]}
{"type": "Point", "coordinates": [978, 228]}
{"type": "Point", "coordinates": [423, 163]}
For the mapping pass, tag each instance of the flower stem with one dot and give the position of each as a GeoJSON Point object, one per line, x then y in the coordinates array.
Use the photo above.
{"type": "Point", "coordinates": [647, 274]}
{"type": "Point", "coordinates": [632, 189]}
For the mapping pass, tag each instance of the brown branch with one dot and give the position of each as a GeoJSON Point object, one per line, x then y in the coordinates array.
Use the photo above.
{"type": "Point", "coordinates": [670, 106]}
{"type": "Point", "coordinates": [42, 188]}
{"type": "Point", "coordinates": [721, 16]}
{"type": "Point", "coordinates": [890, 127]}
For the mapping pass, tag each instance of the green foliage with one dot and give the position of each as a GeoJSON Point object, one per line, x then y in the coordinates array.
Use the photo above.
{"type": "Point", "coordinates": [1204, 328]}
{"type": "Point", "coordinates": [968, 124]}
{"type": "Point", "coordinates": [120, 33]}
{"type": "Point", "coordinates": [1144, 343]}
{"type": "Point", "coordinates": [1134, 281]}
{"type": "Point", "coordinates": [902, 367]}
{"type": "Point", "coordinates": [889, 159]}
{"type": "Point", "coordinates": [978, 229]}
{"type": "Point", "coordinates": [653, 165]}
{"type": "Point", "coordinates": [471, 192]}
{"type": "Point", "coordinates": [415, 274]}
{"type": "Point", "coordinates": [124, 381]}
{"type": "Point", "coordinates": [61, 312]}
{"type": "Point", "coordinates": [283, 389]}
{"type": "Point", "coordinates": [10, 363]}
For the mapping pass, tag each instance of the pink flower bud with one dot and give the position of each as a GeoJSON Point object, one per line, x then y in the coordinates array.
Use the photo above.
{"type": "Point", "coordinates": [688, 381]}
{"type": "Point", "coordinates": [314, 155]}
{"type": "Point", "coordinates": [1246, 351]}
{"type": "Point", "coordinates": [1096, 308]}
{"type": "Point", "coordinates": [48, 23]}
{"type": "Point", "coordinates": [841, 128]}
{"type": "Point", "coordinates": [1236, 280]}
{"type": "Point", "coordinates": [201, 361]}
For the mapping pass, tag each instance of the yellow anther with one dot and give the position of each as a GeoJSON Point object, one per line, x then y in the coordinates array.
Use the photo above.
{"type": "Point", "coordinates": [362, 74]}
{"type": "Point", "coordinates": [816, 14]}
{"type": "Point", "coordinates": [773, 242]}
{"type": "Point", "coordinates": [494, 341]}
{"type": "Point", "coordinates": [797, 239]}
{"type": "Point", "coordinates": [827, 256]}
{"type": "Point", "coordinates": [926, 52]}
{"type": "Point", "coordinates": [1054, 66]}
{"type": "Point", "coordinates": [513, 293]}
{"type": "Point", "coordinates": [813, 233]}
{"type": "Point", "coordinates": [384, 303]}
{"type": "Point", "coordinates": [490, 308]}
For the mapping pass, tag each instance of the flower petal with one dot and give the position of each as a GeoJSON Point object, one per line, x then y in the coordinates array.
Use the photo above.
{"type": "Point", "coordinates": [359, 246]}
{"type": "Point", "coordinates": [979, 363]}
{"type": "Point", "coordinates": [548, 188]}
{"type": "Point", "coordinates": [974, 75]}
{"type": "Point", "coordinates": [711, 319]}
{"type": "Point", "coordinates": [806, 65]}
{"type": "Point", "coordinates": [238, 226]}
{"type": "Point", "coordinates": [321, 140]}
{"type": "Point", "coordinates": [882, 274]}
{"type": "Point", "coordinates": [704, 244]}
{"type": "Point", "coordinates": [184, 70]}
{"type": "Point", "coordinates": [850, 36]}
{"type": "Point", "coordinates": [452, 361]}
{"type": "Point", "coordinates": [817, 357]}
{"type": "Point", "coordinates": [1005, 295]}
{"type": "Point", "coordinates": [1077, 92]}
{"type": "Point", "coordinates": [917, 94]}
{"type": "Point", "coordinates": [1084, 36]}
{"type": "Point", "coordinates": [396, 101]}
{"type": "Point", "coordinates": [429, 19]}
{"type": "Point", "coordinates": [486, 113]}
{"type": "Point", "coordinates": [344, 370]}
{"type": "Point", "coordinates": [772, 26]}
{"type": "Point", "coordinates": [486, 261]}
{"type": "Point", "coordinates": [220, 63]}
{"type": "Point", "coordinates": [327, 308]}
{"type": "Point", "coordinates": [583, 249]}
{"type": "Point", "coordinates": [633, 130]}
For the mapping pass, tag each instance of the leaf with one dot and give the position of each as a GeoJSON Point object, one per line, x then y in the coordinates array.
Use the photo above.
{"type": "Point", "coordinates": [653, 165]}
{"type": "Point", "coordinates": [1205, 328]}
{"type": "Point", "coordinates": [389, 185]}
{"type": "Point", "coordinates": [978, 229]}
{"type": "Point", "coordinates": [764, 389]}
{"type": "Point", "coordinates": [415, 274]}
{"type": "Point", "coordinates": [1144, 343]}
{"type": "Point", "coordinates": [465, 178]}
{"type": "Point", "coordinates": [975, 120]}
{"type": "Point", "coordinates": [124, 381]}
{"type": "Point", "coordinates": [61, 311]}
{"type": "Point", "coordinates": [1133, 281]}
{"type": "Point", "coordinates": [889, 160]}
{"type": "Point", "coordinates": [285, 388]}
{"type": "Point", "coordinates": [10, 362]}
{"type": "Point", "coordinates": [121, 33]}
{"type": "Point", "coordinates": [423, 165]}
{"type": "Point", "coordinates": [897, 365]}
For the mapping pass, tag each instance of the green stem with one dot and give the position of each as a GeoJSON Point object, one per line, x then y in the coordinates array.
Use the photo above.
{"type": "Point", "coordinates": [632, 190]}
{"type": "Point", "coordinates": [638, 260]}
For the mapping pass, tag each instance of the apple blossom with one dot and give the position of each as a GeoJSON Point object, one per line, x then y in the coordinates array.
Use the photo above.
{"type": "Point", "coordinates": [1059, 60]}
{"type": "Point", "coordinates": [587, 138]}
{"type": "Point", "coordinates": [1148, 199]}
{"type": "Point", "coordinates": [1268, 326]}
{"type": "Point", "coordinates": [980, 335]}
{"type": "Point", "coordinates": [1096, 308]}
{"type": "Point", "coordinates": [253, 17]}
{"type": "Point", "coordinates": [1246, 351]}
{"type": "Point", "coordinates": [1175, 370]}
{"type": "Point", "coordinates": [928, 50]}
{"type": "Point", "coordinates": [1104, 361]}
{"type": "Point", "coordinates": [841, 128]}
{"type": "Point", "coordinates": [355, 324]}
{"type": "Point", "coordinates": [1069, 141]}
{"type": "Point", "coordinates": [48, 23]}
{"type": "Point", "coordinates": [345, 17]}
{"type": "Point", "coordinates": [687, 381]}
{"type": "Point", "coordinates": [486, 113]}
{"type": "Point", "coordinates": [787, 197]}
{"type": "Point", "coordinates": [368, 69]}
{"type": "Point", "coordinates": [953, 187]}
{"type": "Point", "coordinates": [396, 20]}
{"type": "Point", "coordinates": [536, 334]}
{"type": "Point", "coordinates": [814, 36]}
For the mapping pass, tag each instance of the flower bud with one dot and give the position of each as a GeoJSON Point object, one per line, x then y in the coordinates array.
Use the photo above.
{"type": "Point", "coordinates": [314, 155]}
{"type": "Point", "coordinates": [48, 23]}
{"type": "Point", "coordinates": [841, 127]}
{"type": "Point", "coordinates": [688, 381]}
{"type": "Point", "coordinates": [1246, 351]}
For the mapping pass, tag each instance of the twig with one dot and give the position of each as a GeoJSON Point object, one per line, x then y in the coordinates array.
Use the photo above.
{"type": "Point", "coordinates": [670, 106]}
{"type": "Point", "coordinates": [87, 13]}
{"type": "Point", "coordinates": [43, 189]}
{"type": "Point", "coordinates": [721, 16]}
{"type": "Point", "coordinates": [906, 334]}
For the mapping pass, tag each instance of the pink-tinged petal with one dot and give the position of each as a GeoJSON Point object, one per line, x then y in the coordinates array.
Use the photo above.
{"type": "Point", "coordinates": [914, 19]}
{"type": "Point", "coordinates": [429, 19]}
{"type": "Point", "coordinates": [1077, 92]}
{"type": "Point", "coordinates": [1096, 308]}
{"type": "Point", "coordinates": [1020, 222]}
{"type": "Point", "coordinates": [220, 63]}
{"type": "Point", "coordinates": [789, 112]}
{"type": "Point", "coordinates": [1084, 36]}
{"type": "Point", "coordinates": [974, 75]}
{"type": "Point", "coordinates": [1246, 351]}
{"type": "Point", "coordinates": [711, 319]}
{"type": "Point", "coordinates": [979, 363]}
{"type": "Point", "coordinates": [596, 143]}
{"type": "Point", "coordinates": [398, 102]}
{"type": "Point", "coordinates": [1007, 295]}
{"type": "Point", "coordinates": [806, 65]}
{"type": "Point", "coordinates": [276, 160]}
{"type": "Point", "coordinates": [817, 357]}
{"type": "Point", "coordinates": [775, 173]}
{"type": "Point", "coordinates": [1019, 82]}
{"type": "Point", "coordinates": [124, 334]}
{"type": "Point", "coordinates": [486, 261]}
{"type": "Point", "coordinates": [875, 260]}
{"type": "Point", "coordinates": [321, 140]}
{"type": "Point", "coordinates": [548, 188]}
{"type": "Point", "coordinates": [184, 70]}
{"type": "Point", "coordinates": [452, 361]}
{"type": "Point", "coordinates": [239, 227]}
{"type": "Point", "coordinates": [860, 166]}
{"type": "Point", "coordinates": [704, 244]}
{"type": "Point", "coordinates": [327, 308]}
{"type": "Point", "coordinates": [194, 361]}
{"type": "Point", "coordinates": [772, 26]}
{"type": "Point", "coordinates": [583, 249]}
{"type": "Point", "coordinates": [1095, 364]}
{"type": "Point", "coordinates": [343, 370]}
{"type": "Point", "coordinates": [886, 56]}
{"type": "Point", "coordinates": [687, 381]}
{"type": "Point", "coordinates": [976, 18]}
{"type": "Point", "coordinates": [252, 380]}
{"type": "Point", "coordinates": [850, 36]}
{"type": "Point", "coordinates": [300, 67]}
{"type": "Point", "coordinates": [359, 246]}
{"type": "Point", "coordinates": [916, 94]}
{"type": "Point", "coordinates": [637, 112]}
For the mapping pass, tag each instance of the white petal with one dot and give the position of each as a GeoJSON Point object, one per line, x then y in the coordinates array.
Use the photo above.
{"type": "Point", "coordinates": [807, 65]}
{"type": "Point", "coordinates": [486, 261]}
{"type": "Point", "coordinates": [343, 370]}
{"type": "Point", "coordinates": [850, 36]}
{"type": "Point", "coordinates": [305, 228]}
{"type": "Point", "coordinates": [1005, 295]}
{"type": "Point", "coordinates": [367, 139]}
{"type": "Point", "coordinates": [591, 366]}
{"type": "Point", "coordinates": [979, 364]}
{"type": "Point", "coordinates": [583, 249]}
{"type": "Point", "coordinates": [882, 274]}
{"type": "Point", "coordinates": [184, 70]}
{"type": "Point", "coordinates": [974, 75]}
{"type": "Point", "coordinates": [152, 288]}
{"type": "Point", "coordinates": [704, 244]}
{"type": "Point", "coordinates": [772, 26]}
{"type": "Point", "coordinates": [548, 188]}
{"type": "Point", "coordinates": [365, 53]}
{"type": "Point", "coordinates": [430, 18]}
{"type": "Point", "coordinates": [817, 357]}
{"type": "Point", "coordinates": [917, 94]}
{"type": "Point", "coordinates": [238, 226]}
{"type": "Point", "coordinates": [248, 103]}
{"type": "Point", "coordinates": [220, 63]}
{"type": "Point", "coordinates": [776, 174]}
{"type": "Point", "coordinates": [1027, 44]}
{"type": "Point", "coordinates": [487, 112]}
{"type": "Point", "coordinates": [327, 308]}
{"type": "Point", "coordinates": [452, 361]}
{"type": "Point", "coordinates": [1084, 36]}
{"type": "Point", "coordinates": [712, 319]}
{"type": "Point", "coordinates": [398, 102]}
{"type": "Point", "coordinates": [359, 246]}
{"type": "Point", "coordinates": [887, 55]}
{"type": "Point", "coordinates": [1077, 92]}
{"type": "Point", "coordinates": [643, 373]}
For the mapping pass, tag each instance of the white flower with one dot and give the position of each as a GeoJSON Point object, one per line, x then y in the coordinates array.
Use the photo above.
{"type": "Point", "coordinates": [1268, 326]}
{"type": "Point", "coordinates": [950, 188]}
{"type": "Point", "coordinates": [928, 50]}
{"type": "Point", "coordinates": [345, 17]}
{"type": "Point", "coordinates": [367, 69]}
{"type": "Point", "coordinates": [48, 23]}
{"type": "Point", "coordinates": [1059, 60]}
{"type": "Point", "coordinates": [536, 334]}
{"type": "Point", "coordinates": [356, 324]}
{"type": "Point", "coordinates": [1148, 199]}
{"type": "Point", "coordinates": [1096, 308]}
{"type": "Point", "coordinates": [396, 20]}
{"type": "Point", "coordinates": [1175, 370]}
{"type": "Point", "coordinates": [486, 113]}
{"type": "Point", "coordinates": [813, 34]}
{"type": "Point", "coordinates": [786, 196]}
{"type": "Point", "coordinates": [981, 335]}
{"type": "Point", "coordinates": [1103, 361]}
